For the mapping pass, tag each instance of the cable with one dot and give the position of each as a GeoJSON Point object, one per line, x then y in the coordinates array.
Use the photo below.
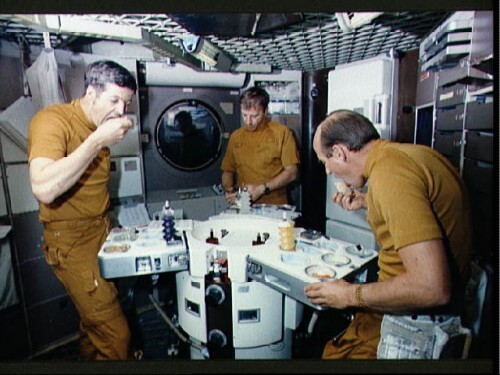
{"type": "Point", "coordinates": [344, 22]}
{"type": "Point", "coordinates": [201, 348]}
{"type": "Point", "coordinates": [312, 322]}
{"type": "Point", "coordinates": [257, 19]}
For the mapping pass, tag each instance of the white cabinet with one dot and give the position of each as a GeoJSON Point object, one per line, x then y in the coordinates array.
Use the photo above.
{"type": "Point", "coordinates": [463, 123]}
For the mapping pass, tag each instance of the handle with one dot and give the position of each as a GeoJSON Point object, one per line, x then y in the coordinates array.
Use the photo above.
{"type": "Point", "coordinates": [276, 281]}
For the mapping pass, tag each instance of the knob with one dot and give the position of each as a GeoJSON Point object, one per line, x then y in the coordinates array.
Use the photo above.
{"type": "Point", "coordinates": [217, 338]}
{"type": "Point", "coordinates": [214, 295]}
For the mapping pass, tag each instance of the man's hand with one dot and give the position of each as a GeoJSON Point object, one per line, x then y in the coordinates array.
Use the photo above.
{"type": "Point", "coordinates": [353, 201]}
{"type": "Point", "coordinates": [336, 293]}
{"type": "Point", "coordinates": [230, 196]}
{"type": "Point", "coordinates": [113, 131]}
{"type": "Point", "coordinates": [255, 191]}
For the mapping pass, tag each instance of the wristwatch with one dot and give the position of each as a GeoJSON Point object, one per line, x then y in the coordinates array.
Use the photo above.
{"type": "Point", "coordinates": [266, 189]}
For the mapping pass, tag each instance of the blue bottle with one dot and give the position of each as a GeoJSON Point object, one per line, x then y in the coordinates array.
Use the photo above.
{"type": "Point", "coordinates": [168, 222]}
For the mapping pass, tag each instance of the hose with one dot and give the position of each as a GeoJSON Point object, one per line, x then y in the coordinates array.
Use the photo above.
{"type": "Point", "coordinates": [312, 322]}
{"type": "Point", "coordinates": [201, 348]}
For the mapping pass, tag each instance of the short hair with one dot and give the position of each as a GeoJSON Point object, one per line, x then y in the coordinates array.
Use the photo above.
{"type": "Point", "coordinates": [99, 73]}
{"type": "Point", "coordinates": [254, 96]}
{"type": "Point", "coordinates": [347, 127]}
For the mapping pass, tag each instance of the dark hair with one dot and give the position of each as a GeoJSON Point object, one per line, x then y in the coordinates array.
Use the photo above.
{"type": "Point", "coordinates": [347, 127]}
{"type": "Point", "coordinates": [99, 73]}
{"type": "Point", "coordinates": [254, 96]}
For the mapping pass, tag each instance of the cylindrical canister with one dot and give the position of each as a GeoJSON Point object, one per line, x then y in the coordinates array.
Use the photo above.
{"type": "Point", "coordinates": [287, 239]}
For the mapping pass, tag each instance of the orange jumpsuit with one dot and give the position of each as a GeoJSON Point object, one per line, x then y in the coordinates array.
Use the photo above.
{"type": "Point", "coordinates": [415, 195]}
{"type": "Point", "coordinates": [75, 227]}
{"type": "Point", "coordinates": [257, 156]}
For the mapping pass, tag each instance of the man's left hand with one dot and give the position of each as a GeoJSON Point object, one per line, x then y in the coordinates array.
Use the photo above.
{"type": "Point", "coordinates": [255, 191]}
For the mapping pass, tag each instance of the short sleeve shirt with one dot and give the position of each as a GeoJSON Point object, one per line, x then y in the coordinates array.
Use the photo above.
{"type": "Point", "coordinates": [415, 194]}
{"type": "Point", "coordinates": [55, 132]}
{"type": "Point", "coordinates": [257, 156]}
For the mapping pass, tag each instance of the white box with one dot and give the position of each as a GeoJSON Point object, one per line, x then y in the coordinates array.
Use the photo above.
{"type": "Point", "coordinates": [191, 305]}
{"type": "Point", "coordinates": [125, 178]}
{"type": "Point", "coordinates": [264, 308]}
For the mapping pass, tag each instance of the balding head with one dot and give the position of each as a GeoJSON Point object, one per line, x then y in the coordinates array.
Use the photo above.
{"type": "Point", "coordinates": [348, 128]}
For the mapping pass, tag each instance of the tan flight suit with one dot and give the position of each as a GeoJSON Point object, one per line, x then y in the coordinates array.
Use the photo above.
{"type": "Point", "coordinates": [415, 195]}
{"type": "Point", "coordinates": [75, 227]}
{"type": "Point", "coordinates": [258, 156]}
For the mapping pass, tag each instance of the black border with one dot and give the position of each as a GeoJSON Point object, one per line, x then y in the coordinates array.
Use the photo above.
{"type": "Point", "coordinates": [251, 366]}
{"type": "Point", "coordinates": [234, 6]}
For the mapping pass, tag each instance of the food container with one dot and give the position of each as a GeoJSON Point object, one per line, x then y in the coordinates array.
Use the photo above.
{"type": "Point", "coordinates": [336, 259]}
{"type": "Point", "coordinates": [320, 272]}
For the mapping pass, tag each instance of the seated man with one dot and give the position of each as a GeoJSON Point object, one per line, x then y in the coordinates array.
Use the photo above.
{"type": "Point", "coordinates": [418, 209]}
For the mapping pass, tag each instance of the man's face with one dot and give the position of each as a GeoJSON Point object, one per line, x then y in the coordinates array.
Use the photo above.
{"type": "Point", "coordinates": [338, 161]}
{"type": "Point", "coordinates": [325, 156]}
{"type": "Point", "coordinates": [112, 102]}
{"type": "Point", "coordinates": [253, 117]}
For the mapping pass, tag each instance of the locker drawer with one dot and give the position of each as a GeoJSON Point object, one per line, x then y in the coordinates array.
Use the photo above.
{"type": "Point", "coordinates": [478, 176]}
{"type": "Point", "coordinates": [479, 145]}
{"type": "Point", "coordinates": [448, 143]}
{"type": "Point", "coordinates": [455, 160]}
{"type": "Point", "coordinates": [479, 115]}
{"type": "Point", "coordinates": [461, 72]}
{"type": "Point", "coordinates": [450, 118]}
{"type": "Point", "coordinates": [456, 73]}
{"type": "Point", "coordinates": [426, 88]}
{"type": "Point", "coordinates": [451, 95]}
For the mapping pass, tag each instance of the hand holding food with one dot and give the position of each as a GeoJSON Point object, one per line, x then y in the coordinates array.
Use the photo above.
{"type": "Point", "coordinates": [349, 199]}
{"type": "Point", "coordinates": [343, 188]}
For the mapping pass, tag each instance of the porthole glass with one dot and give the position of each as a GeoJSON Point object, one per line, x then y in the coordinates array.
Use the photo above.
{"type": "Point", "coordinates": [188, 135]}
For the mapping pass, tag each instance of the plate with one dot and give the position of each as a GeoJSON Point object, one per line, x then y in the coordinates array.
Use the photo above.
{"type": "Point", "coordinates": [336, 259]}
{"type": "Point", "coordinates": [295, 259]}
{"type": "Point", "coordinates": [307, 249]}
{"type": "Point", "coordinates": [320, 272]}
{"type": "Point", "coordinates": [327, 244]}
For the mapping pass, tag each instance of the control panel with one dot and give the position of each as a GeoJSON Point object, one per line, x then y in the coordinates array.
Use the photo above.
{"type": "Point", "coordinates": [142, 250]}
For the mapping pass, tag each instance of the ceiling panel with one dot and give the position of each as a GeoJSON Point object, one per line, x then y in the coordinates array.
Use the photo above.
{"type": "Point", "coordinates": [305, 41]}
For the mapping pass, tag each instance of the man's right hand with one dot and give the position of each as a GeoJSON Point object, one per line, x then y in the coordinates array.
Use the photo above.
{"type": "Point", "coordinates": [113, 130]}
{"type": "Point", "coordinates": [351, 202]}
{"type": "Point", "coordinates": [230, 196]}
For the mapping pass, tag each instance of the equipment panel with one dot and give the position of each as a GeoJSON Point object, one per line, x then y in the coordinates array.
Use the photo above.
{"type": "Point", "coordinates": [142, 250]}
{"type": "Point", "coordinates": [312, 261]}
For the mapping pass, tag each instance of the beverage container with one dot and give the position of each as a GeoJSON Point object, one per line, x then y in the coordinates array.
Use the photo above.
{"type": "Point", "coordinates": [168, 222]}
{"type": "Point", "coordinates": [287, 239]}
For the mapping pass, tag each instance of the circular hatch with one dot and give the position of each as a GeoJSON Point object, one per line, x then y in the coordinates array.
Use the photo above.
{"type": "Point", "coordinates": [189, 135]}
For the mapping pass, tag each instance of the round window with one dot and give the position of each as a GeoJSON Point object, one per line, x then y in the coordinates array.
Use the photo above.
{"type": "Point", "coordinates": [188, 135]}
